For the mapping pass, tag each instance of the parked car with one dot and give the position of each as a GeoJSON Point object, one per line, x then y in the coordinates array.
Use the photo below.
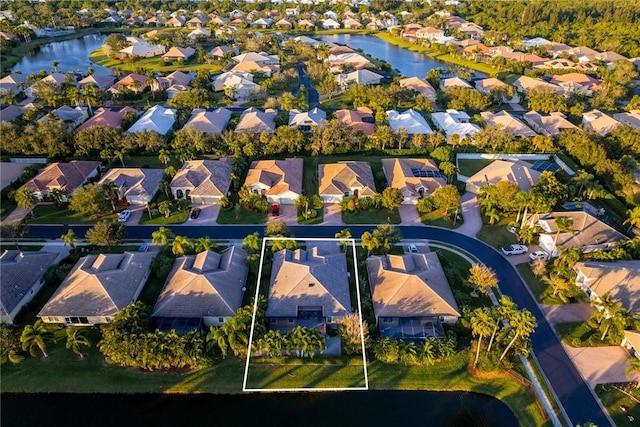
{"type": "Point", "coordinates": [275, 210]}
{"type": "Point", "coordinates": [124, 215]}
{"type": "Point", "coordinates": [143, 248]}
{"type": "Point", "coordinates": [538, 255]}
{"type": "Point", "coordinates": [195, 213]}
{"type": "Point", "coordinates": [413, 249]}
{"type": "Point", "coordinates": [514, 250]}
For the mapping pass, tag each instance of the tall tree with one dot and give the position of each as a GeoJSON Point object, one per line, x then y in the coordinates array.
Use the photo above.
{"type": "Point", "coordinates": [482, 278]}
{"type": "Point", "coordinates": [609, 316]}
{"type": "Point", "coordinates": [482, 324]}
{"type": "Point", "coordinates": [633, 217]}
{"type": "Point", "coordinates": [522, 323]}
{"type": "Point", "coordinates": [392, 198]}
{"type": "Point", "coordinates": [69, 238]}
{"type": "Point", "coordinates": [162, 236]}
{"type": "Point", "coordinates": [182, 245]}
{"type": "Point", "coordinates": [76, 339]}
{"type": "Point", "coordinates": [105, 233]}
{"type": "Point", "coordinates": [37, 336]}
{"type": "Point", "coordinates": [26, 199]}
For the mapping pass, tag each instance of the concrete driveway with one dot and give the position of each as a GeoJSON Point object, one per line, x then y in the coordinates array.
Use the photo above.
{"type": "Point", "coordinates": [288, 214]}
{"type": "Point", "coordinates": [332, 214]}
{"type": "Point", "coordinates": [471, 215]}
{"type": "Point", "coordinates": [575, 312]}
{"type": "Point", "coordinates": [599, 365]}
{"type": "Point", "coordinates": [208, 215]}
{"type": "Point", "coordinates": [136, 214]}
{"type": "Point", "coordinates": [409, 216]}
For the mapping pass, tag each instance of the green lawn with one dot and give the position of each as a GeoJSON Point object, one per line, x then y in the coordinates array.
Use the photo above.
{"type": "Point", "coordinates": [337, 102]}
{"type": "Point", "coordinates": [497, 235]}
{"type": "Point", "coordinates": [245, 216]}
{"type": "Point", "coordinates": [537, 286]}
{"type": "Point", "coordinates": [7, 207]}
{"type": "Point", "coordinates": [51, 214]}
{"type": "Point", "coordinates": [155, 64]}
{"type": "Point", "coordinates": [315, 220]}
{"type": "Point", "coordinates": [613, 399]}
{"type": "Point", "coordinates": [381, 216]}
{"type": "Point", "coordinates": [151, 162]}
{"type": "Point", "coordinates": [580, 334]}
{"type": "Point", "coordinates": [469, 167]}
{"type": "Point", "coordinates": [438, 219]}
{"type": "Point", "coordinates": [177, 217]}
{"type": "Point", "coordinates": [456, 269]}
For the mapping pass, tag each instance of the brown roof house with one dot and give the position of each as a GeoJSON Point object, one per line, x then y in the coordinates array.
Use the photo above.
{"type": "Point", "coordinates": [97, 288]}
{"type": "Point", "coordinates": [137, 186]}
{"type": "Point", "coordinates": [206, 287]}
{"type": "Point", "coordinates": [550, 125]}
{"type": "Point", "coordinates": [21, 278]}
{"type": "Point", "coordinates": [411, 296]}
{"type": "Point", "coordinates": [508, 122]}
{"type": "Point", "coordinates": [358, 120]}
{"type": "Point", "coordinates": [620, 279]}
{"type": "Point", "coordinates": [415, 178]}
{"type": "Point", "coordinates": [420, 85]}
{"type": "Point", "coordinates": [344, 179]}
{"type": "Point", "coordinates": [518, 172]}
{"type": "Point", "coordinates": [308, 288]}
{"type": "Point", "coordinates": [587, 233]}
{"type": "Point", "coordinates": [64, 176]}
{"type": "Point", "coordinates": [106, 117]}
{"type": "Point", "coordinates": [280, 181]}
{"type": "Point", "coordinates": [203, 181]}
{"type": "Point", "coordinates": [205, 121]}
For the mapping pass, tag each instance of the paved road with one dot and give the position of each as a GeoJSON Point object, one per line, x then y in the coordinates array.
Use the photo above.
{"type": "Point", "coordinates": [305, 80]}
{"type": "Point", "coordinates": [575, 395]}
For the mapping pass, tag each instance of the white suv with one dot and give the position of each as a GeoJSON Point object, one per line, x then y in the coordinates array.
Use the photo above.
{"type": "Point", "coordinates": [124, 215]}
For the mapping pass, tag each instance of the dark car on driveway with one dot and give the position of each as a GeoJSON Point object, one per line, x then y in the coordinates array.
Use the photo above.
{"type": "Point", "coordinates": [275, 210]}
{"type": "Point", "coordinates": [195, 213]}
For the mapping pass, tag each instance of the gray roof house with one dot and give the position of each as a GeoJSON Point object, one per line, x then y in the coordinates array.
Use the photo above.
{"type": "Point", "coordinates": [620, 279]}
{"type": "Point", "coordinates": [308, 288]}
{"type": "Point", "coordinates": [205, 121]}
{"type": "Point", "coordinates": [97, 288]}
{"type": "Point", "coordinates": [203, 181]}
{"type": "Point", "coordinates": [136, 185]}
{"type": "Point", "coordinates": [208, 286]}
{"type": "Point", "coordinates": [21, 278]}
{"type": "Point", "coordinates": [518, 172]}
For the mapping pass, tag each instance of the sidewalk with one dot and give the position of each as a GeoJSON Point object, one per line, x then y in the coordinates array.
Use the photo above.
{"type": "Point", "coordinates": [471, 215]}
{"type": "Point", "coordinates": [18, 214]}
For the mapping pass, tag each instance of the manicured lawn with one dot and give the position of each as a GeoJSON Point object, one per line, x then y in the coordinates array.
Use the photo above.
{"type": "Point", "coordinates": [469, 167]}
{"type": "Point", "coordinates": [51, 214]}
{"type": "Point", "coordinates": [245, 216]}
{"type": "Point", "coordinates": [151, 162]}
{"type": "Point", "coordinates": [497, 235]}
{"type": "Point", "coordinates": [318, 219]}
{"type": "Point", "coordinates": [580, 334]}
{"type": "Point", "coordinates": [614, 399]}
{"type": "Point", "coordinates": [381, 216]}
{"type": "Point", "coordinates": [537, 286]}
{"type": "Point", "coordinates": [174, 218]}
{"type": "Point", "coordinates": [336, 102]}
{"type": "Point", "coordinates": [155, 64]}
{"type": "Point", "coordinates": [438, 219]}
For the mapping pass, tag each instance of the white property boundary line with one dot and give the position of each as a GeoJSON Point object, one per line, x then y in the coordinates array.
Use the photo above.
{"type": "Point", "coordinates": [255, 311]}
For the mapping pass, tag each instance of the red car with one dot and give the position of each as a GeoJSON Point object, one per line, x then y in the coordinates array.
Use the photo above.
{"type": "Point", "coordinates": [275, 210]}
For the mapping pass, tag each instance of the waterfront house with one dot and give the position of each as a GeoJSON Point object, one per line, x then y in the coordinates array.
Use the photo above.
{"type": "Point", "coordinates": [330, 24]}
{"type": "Point", "coordinates": [345, 179]}
{"type": "Point", "coordinates": [101, 81]}
{"type": "Point", "coordinates": [13, 83]}
{"type": "Point", "coordinates": [280, 181]}
{"type": "Point", "coordinates": [363, 77]}
{"type": "Point", "coordinates": [142, 50]}
{"type": "Point", "coordinates": [415, 178]}
{"type": "Point", "coordinates": [420, 85]}
{"type": "Point", "coordinates": [178, 54]}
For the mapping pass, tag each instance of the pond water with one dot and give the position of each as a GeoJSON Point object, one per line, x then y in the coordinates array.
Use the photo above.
{"type": "Point", "coordinates": [372, 408]}
{"type": "Point", "coordinates": [70, 54]}
{"type": "Point", "coordinates": [410, 64]}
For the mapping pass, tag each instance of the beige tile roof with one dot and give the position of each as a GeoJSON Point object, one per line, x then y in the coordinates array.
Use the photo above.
{"type": "Point", "coordinates": [99, 285]}
{"type": "Point", "coordinates": [253, 120]}
{"type": "Point", "coordinates": [587, 230]}
{"type": "Point", "coordinates": [353, 119]}
{"type": "Point", "coordinates": [620, 279]}
{"type": "Point", "coordinates": [66, 176]}
{"type": "Point", "coordinates": [634, 339]}
{"type": "Point", "coordinates": [136, 182]}
{"type": "Point", "coordinates": [399, 174]}
{"type": "Point", "coordinates": [337, 178]}
{"type": "Point", "coordinates": [206, 284]}
{"type": "Point", "coordinates": [205, 121]}
{"type": "Point", "coordinates": [308, 278]}
{"type": "Point", "coordinates": [599, 122]}
{"type": "Point", "coordinates": [280, 176]}
{"type": "Point", "coordinates": [205, 177]}
{"type": "Point", "coordinates": [550, 125]}
{"type": "Point", "coordinates": [519, 172]}
{"type": "Point", "coordinates": [410, 285]}
{"type": "Point", "coordinates": [420, 85]}
{"type": "Point", "coordinates": [508, 122]}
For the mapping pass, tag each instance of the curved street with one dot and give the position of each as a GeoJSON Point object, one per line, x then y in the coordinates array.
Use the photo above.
{"type": "Point", "coordinates": [575, 395]}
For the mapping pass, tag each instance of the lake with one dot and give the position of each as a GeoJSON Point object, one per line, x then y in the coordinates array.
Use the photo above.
{"type": "Point", "coordinates": [371, 408]}
{"type": "Point", "coordinates": [410, 64]}
{"type": "Point", "coordinates": [71, 55]}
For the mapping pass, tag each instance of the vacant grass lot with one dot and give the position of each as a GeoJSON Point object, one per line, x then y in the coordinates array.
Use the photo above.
{"type": "Point", "coordinates": [469, 167]}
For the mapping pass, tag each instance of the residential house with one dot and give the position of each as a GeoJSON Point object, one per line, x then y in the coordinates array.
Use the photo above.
{"type": "Point", "coordinates": [345, 179]}
{"type": "Point", "coordinates": [12, 83]}
{"type": "Point", "coordinates": [197, 22]}
{"type": "Point", "coordinates": [199, 33]}
{"type": "Point", "coordinates": [411, 121]}
{"type": "Point", "coordinates": [583, 53]}
{"type": "Point", "coordinates": [411, 296]}
{"type": "Point", "coordinates": [73, 116]}
{"type": "Point", "coordinates": [362, 77]}
{"type": "Point", "coordinates": [415, 178]}
{"type": "Point", "coordinates": [283, 24]}
{"type": "Point", "coordinates": [239, 83]}
{"type": "Point", "coordinates": [175, 78]}
{"type": "Point", "coordinates": [489, 85]}
{"type": "Point", "coordinates": [202, 290]}
{"type": "Point", "coordinates": [55, 79]}
{"type": "Point", "coordinates": [631, 118]}
{"type": "Point", "coordinates": [101, 81]}
{"type": "Point", "coordinates": [306, 24]}
{"type": "Point", "coordinates": [10, 172]}
{"type": "Point", "coordinates": [175, 21]}
{"type": "Point", "coordinates": [508, 122]}
{"type": "Point", "coordinates": [453, 122]}
{"type": "Point", "coordinates": [97, 288]}
{"type": "Point", "coordinates": [610, 56]}
{"type": "Point", "coordinates": [524, 84]}
{"type": "Point", "coordinates": [358, 120]}
{"type": "Point", "coordinates": [11, 112]}
{"type": "Point", "coordinates": [280, 181]}
{"type": "Point", "coordinates": [308, 288]}
{"type": "Point", "coordinates": [535, 42]}
{"type": "Point", "coordinates": [142, 50]}
{"type": "Point", "coordinates": [429, 33]}
{"type": "Point", "coordinates": [220, 52]}
{"type": "Point", "coordinates": [338, 60]}
{"type": "Point", "coordinates": [135, 185]}
{"type": "Point", "coordinates": [619, 279]}
{"type": "Point", "coordinates": [203, 181]}
{"type": "Point", "coordinates": [156, 119]}
{"type": "Point", "coordinates": [576, 82]}
{"type": "Point", "coordinates": [352, 24]}
{"type": "Point", "coordinates": [550, 125]}
{"type": "Point", "coordinates": [254, 67]}
{"type": "Point", "coordinates": [587, 233]}
{"type": "Point", "coordinates": [524, 57]}
{"type": "Point", "coordinates": [472, 30]}
{"type": "Point", "coordinates": [178, 54]}
{"type": "Point", "coordinates": [420, 85]}
{"type": "Point", "coordinates": [631, 342]}
{"type": "Point", "coordinates": [132, 82]}
{"type": "Point", "coordinates": [262, 23]}
{"type": "Point", "coordinates": [211, 122]}
{"type": "Point", "coordinates": [517, 172]}
{"type": "Point", "coordinates": [106, 117]}
{"type": "Point", "coordinates": [330, 24]}
{"type": "Point", "coordinates": [305, 120]}
{"type": "Point", "coordinates": [453, 82]}
{"type": "Point", "coordinates": [21, 278]}
{"type": "Point", "coordinates": [62, 176]}
{"type": "Point", "coordinates": [253, 120]}
{"type": "Point", "coordinates": [598, 122]}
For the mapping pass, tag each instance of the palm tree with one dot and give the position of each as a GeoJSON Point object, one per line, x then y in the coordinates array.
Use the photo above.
{"type": "Point", "coordinates": [369, 242]}
{"type": "Point", "coordinates": [26, 199]}
{"type": "Point", "coordinates": [582, 178]}
{"type": "Point", "coordinates": [69, 238]}
{"type": "Point", "coordinates": [218, 337]}
{"type": "Point", "coordinates": [165, 157]}
{"type": "Point", "coordinates": [564, 224]}
{"type": "Point", "coordinates": [205, 244]}
{"type": "Point", "coordinates": [557, 283]}
{"type": "Point", "coordinates": [499, 313]}
{"type": "Point", "coordinates": [523, 323]}
{"type": "Point", "coordinates": [609, 315]}
{"type": "Point", "coordinates": [482, 278]}
{"type": "Point", "coordinates": [57, 195]}
{"type": "Point", "coordinates": [55, 64]}
{"type": "Point", "coordinates": [35, 337]}
{"type": "Point", "coordinates": [493, 215]}
{"type": "Point", "coordinates": [344, 235]}
{"type": "Point", "coordinates": [272, 343]}
{"type": "Point", "coordinates": [633, 366]}
{"type": "Point", "coordinates": [75, 339]}
{"type": "Point", "coordinates": [165, 187]}
{"type": "Point", "coordinates": [161, 236]}
{"type": "Point", "coordinates": [634, 218]}
{"type": "Point", "coordinates": [164, 207]}
{"type": "Point", "coordinates": [482, 324]}
{"type": "Point", "coordinates": [428, 351]}
{"type": "Point", "coordinates": [182, 245]}
{"type": "Point", "coordinates": [110, 189]}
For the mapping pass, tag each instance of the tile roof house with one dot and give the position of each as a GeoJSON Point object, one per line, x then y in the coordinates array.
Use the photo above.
{"type": "Point", "coordinates": [64, 176]}
{"type": "Point", "coordinates": [280, 181]}
{"type": "Point", "coordinates": [260, 58]}
{"type": "Point", "coordinates": [56, 79]}
{"type": "Point", "coordinates": [453, 122]}
{"type": "Point", "coordinates": [598, 122]}
{"type": "Point", "coordinates": [357, 61]}
{"type": "Point", "coordinates": [508, 122]}
{"type": "Point", "coordinates": [253, 120]}
{"type": "Point", "coordinates": [102, 81]}
{"type": "Point", "coordinates": [97, 288]}
{"type": "Point", "coordinates": [11, 112]}
{"type": "Point", "coordinates": [138, 186]}
{"type": "Point", "coordinates": [587, 232]}
{"type": "Point", "coordinates": [105, 117]}
{"type": "Point", "coordinates": [175, 78]}
{"type": "Point", "coordinates": [156, 119]}
{"type": "Point", "coordinates": [203, 181]}
{"type": "Point", "coordinates": [362, 77]}
{"type": "Point", "coordinates": [220, 52]}
{"type": "Point", "coordinates": [415, 178]}
{"type": "Point", "coordinates": [410, 120]}
{"type": "Point", "coordinates": [358, 120]}
{"type": "Point", "coordinates": [550, 125]}
{"type": "Point", "coordinates": [73, 116]}
{"type": "Point", "coordinates": [12, 83]}
{"type": "Point", "coordinates": [253, 67]}
{"type": "Point", "coordinates": [178, 54]}
{"type": "Point", "coordinates": [10, 172]}
{"type": "Point", "coordinates": [631, 118]}
{"type": "Point", "coordinates": [344, 179]}
{"type": "Point", "coordinates": [304, 120]}
{"type": "Point", "coordinates": [490, 84]}
{"type": "Point", "coordinates": [175, 21]}
{"type": "Point", "coordinates": [420, 85]}
{"type": "Point", "coordinates": [329, 24]}
{"type": "Point", "coordinates": [241, 83]}
{"type": "Point", "coordinates": [208, 286]}
{"type": "Point", "coordinates": [142, 50]}
{"type": "Point", "coordinates": [308, 288]}
{"type": "Point", "coordinates": [132, 82]}
{"type": "Point", "coordinates": [525, 84]}
{"type": "Point", "coordinates": [21, 278]}
{"type": "Point", "coordinates": [576, 82]}
{"type": "Point", "coordinates": [518, 172]}
{"type": "Point", "coordinates": [619, 279]}
{"type": "Point", "coordinates": [205, 121]}
{"type": "Point", "coordinates": [454, 82]}
{"type": "Point", "coordinates": [197, 22]}
{"type": "Point", "coordinates": [411, 295]}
